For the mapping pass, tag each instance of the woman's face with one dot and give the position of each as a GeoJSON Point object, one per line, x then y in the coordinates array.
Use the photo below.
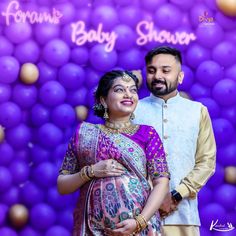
{"type": "Point", "coordinates": [122, 98]}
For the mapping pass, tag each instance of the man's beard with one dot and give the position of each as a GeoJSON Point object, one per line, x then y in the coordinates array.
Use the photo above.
{"type": "Point", "coordinates": [162, 91]}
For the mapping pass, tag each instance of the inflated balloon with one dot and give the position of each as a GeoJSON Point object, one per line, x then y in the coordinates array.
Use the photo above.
{"type": "Point", "coordinates": [185, 5]}
{"type": "Point", "coordinates": [205, 196]}
{"type": "Point", "coordinates": [28, 51]}
{"type": "Point", "coordinates": [228, 7]}
{"type": "Point", "coordinates": [49, 135]}
{"type": "Point", "coordinates": [10, 114]}
{"type": "Point", "coordinates": [29, 73]}
{"type": "Point", "coordinates": [6, 154]}
{"type": "Point", "coordinates": [18, 215]}
{"type": "Point", "coordinates": [39, 114]}
{"type": "Point", "coordinates": [225, 89]}
{"type": "Point", "coordinates": [46, 73]}
{"type": "Point", "coordinates": [199, 91]}
{"type": "Point", "coordinates": [230, 174]}
{"type": "Point", "coordinates": [5, 92]}
{"type": "Point", "coordinates": [78, 97]}
{"type": "Point", "coordinates": [80, 55]}
{"type": "Point", "coordinates": [42, 216]}
{"type": "Point", "coordinates": [67, 11]}
{"type": "Point", "coordinates": [5, 179]}
{"type": "Point", "coordinates": [56, 52]}
{"type": "Point", "coordinates": [213, 107]}
{"type": "Point", "coordinates": [11, 196]}
{"type": "Point", "coordinates": [84, 14]}
{"type": "Point", "coordinates": [57, 230]}
{"type": "Point", "coordinates": [39, 154]}
{"type": "Point", "coordinates": [66, 219]}
{"type": "Point", "coordinates": [2, 134]}
{"type": "Point", "coordinates": [6, 47]}
{"type": "Point", "coordinates": [231, 72]}
{"type": "Point", "coordinates": [209, 73]}
{"type": "Point", "coordinates": [151, 5]}
{"type": "Point", "coordinates": [92, 77]}
{"type": "Point", "coordinates": [9, 69]}
{"type": "Point", "coordinates": [130, 16]}
{"type": "Point", "coordinates": [71, 76]}
{"type": "Point", "coordinates": [188, 79]}
{"type": "Point", "coordinates": [29, 231]}
{"type": "Point", "coordinates": [8, 231]}
{"type": "Point", "coordinates": [197, 12]}
{"type": "Point", "coordinates": [52, 93]}
{"type": "Point", "coordinates": [226, 22]}
{"type": "Point", "coordinates": [22, 154]}
{"type": "Point", "coordinates": [229, 113]}
{"type": "Point", "coordinates": [81, 112]}
{"type": "Point", "coordinates": [3, 213]}
{"type": "Point", "coordinates": [226, 155]}
{"type": "Point", "coordinates": [218, 178]}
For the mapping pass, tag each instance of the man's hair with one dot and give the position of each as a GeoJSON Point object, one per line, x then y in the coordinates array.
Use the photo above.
{"type": "Point", "coordinates": [163, 50]}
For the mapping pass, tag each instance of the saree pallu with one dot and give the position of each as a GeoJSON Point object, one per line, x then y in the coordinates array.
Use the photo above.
{"type": "Point", "coordinates": [104, 202]}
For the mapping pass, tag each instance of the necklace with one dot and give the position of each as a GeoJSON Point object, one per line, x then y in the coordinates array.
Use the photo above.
{"type": "Point", "coordinates": [118, 126]}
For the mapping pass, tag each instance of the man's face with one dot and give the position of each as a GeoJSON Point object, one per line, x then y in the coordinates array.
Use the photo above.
{"type": "Point", "coordinates": [163, 75]}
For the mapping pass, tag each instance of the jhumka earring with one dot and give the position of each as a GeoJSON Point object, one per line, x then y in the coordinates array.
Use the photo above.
{"type": "Point", "coordinates": [105, 115]}
{"type": "Point", "coordinates": [132, 116]}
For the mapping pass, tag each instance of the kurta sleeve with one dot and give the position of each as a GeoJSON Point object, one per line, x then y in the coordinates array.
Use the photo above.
{"type": "Point", "coordinates": [205, 159]}
{"type": "Point", "coordinates": [70, 164]}
{"type": "Point", "coordinates": [156, 159]}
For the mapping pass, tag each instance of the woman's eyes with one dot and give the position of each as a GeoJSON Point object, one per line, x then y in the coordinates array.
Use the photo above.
{"type": "Point", "coordinates": [122, 90]}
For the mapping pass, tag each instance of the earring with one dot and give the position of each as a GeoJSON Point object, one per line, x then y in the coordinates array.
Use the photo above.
{"type": "Point", "coordinates": [105, 115]}
{"type": "Point", "coordinates": [132, 116]}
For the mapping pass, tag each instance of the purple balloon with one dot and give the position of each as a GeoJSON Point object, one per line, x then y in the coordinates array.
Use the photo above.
{"type": "Point", "coordinates": [46, 73]}
{"type": "Point", "coordinates": [42, 216]}
{"type": "Point", "coordinates": [39, 154]}
{"type": "Point", "coordinates": [78, 97]}
{"type": "Point", "coordinates": [22, 155]}
{"type": "Point", "coordinates": [71, 76]}
{"type": "Point", "coordinates": [24, 95]}
{"type": "Point", "coordinates": [6, 154]}
{"type": "Point", "coordinates": [5, 92]}
{"type": "Point", "coordinates": [52, 93]}
{"type": "Point", "coordinates": [56, 52]}
{"type": "Point", "coordinates": [205, 231]}
{"type": "Point", "coordinates": [84, 14]}
{"type": "Point", "coordinates": [205, 197]}
{"type": "Point", "coordinates": [5, 179]}
{"type": "Point", "coordinates": [209, 73]}
{"type": "Point", "coordinates": [229, 113]}
{"type": "Point", "coordinates": [188, 79]}
{"type": "Point", "coordinates": [209, 35]}
{"type": "Point", "coordinates": [19, 136]}
{"type": "Point", "coordinates": [39, 115]}
{"type": "Point", "coordinates": [6, 231]}
{"type": "Point", "coordinates": [18, 32]}
{"type": "Point", "coordinates": [67, 10]}
{"type": "Point", "coordinates": [11, 196]}
{"type": "Point", "coordinates": [198, 11]}
{"type": "Point", "coordinates": [59, 153]}
{"type": "Point", "coordinates": [9, 69]}
{"type": "Point", "coordinates": [231, 72]}
{"type": "Point", "coordinates": [225, 195]}
{"type": "Point", "coordinates": [199, 91]}
{"type": "Point", "coordinates": [10, 114]}
{"type": "Point", "coordinates": [92, 78]}
{"type": "Point", "coordinates": [218, 178]}
{"type": "Point", "coordinates": [45, 175]}
{"type": "Point", "coordinates": [150, 5]}
{"type": "Point", "coordinates": [130, 16]}
{"type": "Point", "coordinates": [57, 230]}
{"type": "Point", "coordinates": [105, 15]}
{"type": "Point", "coordinates": [226, 155]}
{"type": "Point", "coordinates": [197, 54]}
{"type": "Point", "coordinates": [223, 131]}
{"type": "Point", "coordinates": [167, 17]}
{"type": "Point", "coordinates": [102, 60]}
{"type": "Point", "coordinates": [3, 213]}
{"type": "Point", "coordinates": [20, 171]}
{"type": "Point", "coordinates": [63, 116]}
{"type": "Point", "coordinates": [224, 92]}
{"type": "Point", "coordinates": [6, 47]}
{"type": "Point", "coordinates": [28, 231]}
{"type": "Point", "coordinates": [66, 35]}
{"type": "Point", "coordinates": [80, 55]}
{"type": "Point", "coordinates": [183, 4]}
{"type": "Point", "coordinates": [213, 107]}
{"type": "Point", "coordinates": [31, 194]}
{"type": "Point", "coordinates": [66, 219]}
{"type": "Point", "coordinates": [226, 22]}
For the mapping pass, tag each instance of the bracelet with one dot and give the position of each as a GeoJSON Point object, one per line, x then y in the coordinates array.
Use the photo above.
{"type": "Point", "coordinates": [141, 223]}
{"type": "Point", "coordinates": [84, 173]}
{"type": "Point", "coordinates": [91, 174]}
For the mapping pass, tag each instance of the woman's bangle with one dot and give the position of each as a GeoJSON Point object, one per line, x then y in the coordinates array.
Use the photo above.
{"type": "Point", "coordinates": [141, 223]}
{"type": "Point", "coordinates": [84, 173]}
{"type": "Point", "coordinates": [91, 171]}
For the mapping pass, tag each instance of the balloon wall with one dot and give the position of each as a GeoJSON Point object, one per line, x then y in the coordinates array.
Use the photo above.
{"type": "Point", "coordinates": [52, 54]}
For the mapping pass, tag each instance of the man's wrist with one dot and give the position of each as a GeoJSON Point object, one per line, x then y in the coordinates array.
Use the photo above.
{"type": "Point", "coordinates": [176, 196]}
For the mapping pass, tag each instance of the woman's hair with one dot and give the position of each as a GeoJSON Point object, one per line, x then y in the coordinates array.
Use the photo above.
{"type": "Point", "coordinates": [104, 85]}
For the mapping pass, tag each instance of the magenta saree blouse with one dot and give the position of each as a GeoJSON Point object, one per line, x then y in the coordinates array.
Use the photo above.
{"type": "Point", "coordinates": [104, 202]}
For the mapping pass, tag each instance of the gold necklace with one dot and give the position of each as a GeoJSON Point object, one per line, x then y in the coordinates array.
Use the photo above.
{"type": "Point", "coordinates": [117, 126]}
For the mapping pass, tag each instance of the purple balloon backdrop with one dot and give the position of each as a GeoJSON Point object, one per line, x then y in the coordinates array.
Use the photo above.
{"type": "Point", "coordinates": [39, 118]}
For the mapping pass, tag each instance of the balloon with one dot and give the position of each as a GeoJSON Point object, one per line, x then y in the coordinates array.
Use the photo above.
{"type": "Point", "coordinates": [49, 135]}
{"type": "Point", "coordinates": [3, 213]}
{"type": "Point", "coordinates": [167, 17]}
{"type": "Point", "coordinates": [31, 194]}
{"type": "Point", "coordinates": [20, 171]}
{"type": "Point", "coordinates": [45, 175]}
{"type": "Point", "coordinates": [71, 76]}
{"type": "Point", "coordinates": [151, 5]}
{"type": "Point", "coordinates": [80, 55]}
{"type": "Point", "coordinates": [130, 16]}
{"type": "Point", "coordinates": [102, 60]}
{"type": "Point", "coordinates": [29, 73]}
{"type": "Point", "coordinates": [24, 95]}
{"type": "Point", "coordinates": [6, 47]}
{"type": "Point", "coordinates": [52, 93]}
{"type": "Point", "coordinates": [6, 154]}
{"type": "Point", "coordinates": [224, 92]}
{"type": "Point", "coordinates": [18, 32]}
{"type": "Point", "coordinates": [105, 15]}
{"type": "Point", "coordinates": [19, 136]}
{"type": "Point", "coordinates": [5, 92]}
{"type": "Point", "coordinates": [188, 79]}
{"type": "Point", "coordinates": [23, 154]}
{"type": "Point", "coordinates": [224, 53]}
{"type": "Point", "coordinates": [39, 154]}
{"type": "Point", "coordinates": [209, 35]}
{"type": "Point", "coordinates": [131, 59]}
{"type": "Point", "coordinates": [57, 230]}
{"type": "Point", "coordinates": [56, 52]}
{"type": "Point", "coordinates": [18, 215]}
{"type": "Point", "coordinates": [42, 216]}
{"type": "Point", "coordinates": [92, 78]}
{"type": "Point", "coordinates": [28, 51]}
{"type": "Point", "coordinates": [46, 73]}
{"type": "Point", "coordinates": [231, 72]}
{"type": "Point", "coordinates": [84, 14]}
{"type": "Point", "coordinates": [225, 195]}
{"type": "Point", "coordinates": [199, 91]}
{"type": "Point", "coordinates": [226, 22]}
{"type": "Point", "coordinates": [125, 32]}
{"type": "Point", "coordinates": [223, 131]}
{"type": "Point", "coordinates": [11, 196]}
{"type": "Point", "coordinates": [229, 113]}
{"type": "Point", "coordinates": [28, 231]}
{"type": "Point", "coordinates": [39, 114]}
{"type": "Point", "coordinates": [197, 12]}
{"type": "Point", "coordinates": [5, 179]}
{"type": "Point", "coordinates": [226, 155]}
{"type": "Point", "coordinates": [45, 32]}
{"type": "Point", "coordinates": [78, 97]}
{"type": "Point", "coordinates": [197, 54]}
{"type": "Point", "coordinates": [66, 219]}
{"type": "Point", "coordinates": [228, 7]}
{"type": "Point", "coordinates": [67, 10]}
{"type": "Point", "coordinates": [6, 231]}
{"type": "Point", "coordinates": [213, 107]}
{"type": "Point", "coordinates": [66, 35]}
{"type": "Point", "coordinates": [218, 178]}
{"type": "Point", "coordinates": [205, 196]}
{"type": "Point", "coordinates": [10, 114]}
{"type": "Point", "coordinates": [59, 153]}
{"type": "Point", "coordinates": [9, 69]}
{"type": "Point", "coordinates": [209, 73]}
{"type": "Point", "coordinates": [63, 116]}
{"type": "Point", "coordinates": [81, 112]}
{"type": "Point", "coordinates": [230, 174]}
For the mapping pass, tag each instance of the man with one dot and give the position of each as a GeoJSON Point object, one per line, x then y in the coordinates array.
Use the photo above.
{"type": "Point", "coordinates": [186, 132]}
